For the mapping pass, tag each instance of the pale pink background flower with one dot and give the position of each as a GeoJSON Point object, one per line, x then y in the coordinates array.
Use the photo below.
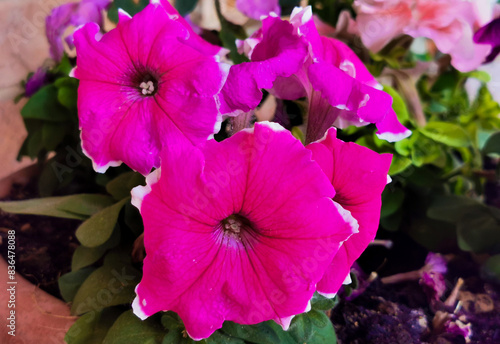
{"type": "Point", "coordinates": [449, 23]}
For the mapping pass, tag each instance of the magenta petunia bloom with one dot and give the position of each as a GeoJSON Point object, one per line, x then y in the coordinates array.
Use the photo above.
{"type": "Point", "coordinates": [359, 176]}
{"type": "Point", "coordinates": [145, 84]}
{"type": "Point", "coordinates": [292, 60]}
{"type": "Point", "coordinates": [71, 14]}
{"type": "Point", "coordinates": [278, 53]}
{"type": "Point", "coordinates": [240, 230]}
{"type": "Point", "coordinates": [257, 8]}
{"type": "Point", "coordinates": [490, 34]}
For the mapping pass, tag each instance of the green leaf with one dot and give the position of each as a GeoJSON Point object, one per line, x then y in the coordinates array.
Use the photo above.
{"type": "Point", "coordinates": [97, 230]}
{"type": "Point", "coordinates": [447, 133]}
{"type": "Point", "coordinates": [218, 338]}
{"type": "Point", "coordinates": [44, 105]}
{"type": "Point", "coordinates": [86, 204]}
{"type": "Point", "coordinates": [434, 235]}
{"type": "Point", "coordinates": [399, 164]}
{"type": "Point", "coordinates": [53, 134]}
{"type": "Point", "coordinates": [298, 134]}
{"type": "Point", "coordinates": [110, 285]}
{"type": "Point", "coordinates": [91, 328]}
{"type": "Point", "coordinates": [120, 187]}
{"type": "Point", "coordinates": [176, 330]}
{"type": "Point", "coordinates": [404, 146]}
{"type": "Point", "coordinates": [492, 144]}
{"type": "Point", "coordinates": [185, 6]}
{"type": "Point", "coordinates": [450, 208]}
{"type": "Point", "coordinates": [491, 268]}
{"type": "Point", "coordinates": [129, 329]}
{"type": "Point", "coordinates": [479, 75]}
{"type": "Point", "coordinates": [426, 151]}
{"type": "Point", "coordinates": [70, 283]}
{"type": "Point", "coordinates": [322, 303]}
{"type": "Point", "coordinates": [313, 327]}
{"type": "Point", "coordinates": [132, 7]}
{"type": "Point", "coordinates": [64, 67]}
{"type": "Point", "coordinates": [392, 199]}
{"type": "Point", "coordinates": [85, 256]}
{"type": "Point", "coordinates": [67, 92]}
{"type": "Point", "coordinates": [392, 222]}
{"type": "Point", "coordinates": [398, 104]}
{"type": "Point", "coordinates": [478, 230]}
{"type": "Point", "coordinates": [66, 207]}
{"type": "Point", "coordinates": [261, 333]}
{"type": "Point", "coordinates": [35, 142]}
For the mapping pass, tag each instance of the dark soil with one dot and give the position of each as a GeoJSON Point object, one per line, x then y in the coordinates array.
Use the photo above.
{"type": "Point", "coordinates": [44, 245]}
{"type": "Point", "coordinates": [403, 314]}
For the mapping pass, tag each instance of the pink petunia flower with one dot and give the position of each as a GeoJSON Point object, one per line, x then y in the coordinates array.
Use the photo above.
{"type": "Point", "coordinates": [292, 60]}
{"type": "Point", "coordinates": [240, 230]}
{"type": "Point", "coordinates": [449, 23]}
{"type": "Point", "coordinates": [145, 84]}
{"type": "Point", "coordinates": [257, 8]}
{"type": "Point", "coordinates": [358, 176]}
{"type": "Point", "coordinates": [71, 14]}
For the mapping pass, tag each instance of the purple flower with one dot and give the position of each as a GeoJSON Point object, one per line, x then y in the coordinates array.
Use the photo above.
{"type": "Point", "coordinates": [258, 8]}
{"type": "Point", "coordinates": [436, 263]}
{"type": "Point", "coordinates": [71, 14]}
{"type": "Point", "coordinates": [490, 34]}
{"type": "Point", "coordinates": [35, 82]}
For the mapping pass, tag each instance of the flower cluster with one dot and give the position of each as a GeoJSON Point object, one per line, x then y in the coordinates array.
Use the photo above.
{"type": "Point", "coordinates": [293, 61]}
{"type": "Point", "coordinates": [249, 228]}
{"type": "Point", "coordinates": [449, 23]}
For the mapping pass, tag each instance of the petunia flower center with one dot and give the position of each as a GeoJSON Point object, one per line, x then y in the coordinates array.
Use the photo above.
{"type": "Point", "coordinates": [235, 225]}
{"type": "Point", "coordinates": [148, 85]}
